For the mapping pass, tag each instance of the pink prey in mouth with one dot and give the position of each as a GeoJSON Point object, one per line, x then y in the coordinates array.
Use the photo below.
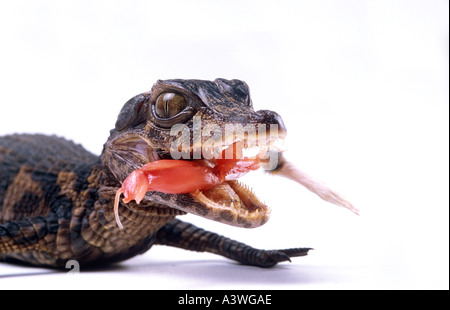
{"type": "Point", "coordinates": [181, 177]}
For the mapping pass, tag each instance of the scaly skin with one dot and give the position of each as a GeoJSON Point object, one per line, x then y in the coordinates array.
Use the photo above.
{"type": "Point", "coordinates": [56, 198]}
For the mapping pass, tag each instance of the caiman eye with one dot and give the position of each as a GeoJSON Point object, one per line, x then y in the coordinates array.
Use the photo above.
{"type": "Point", "coordinates": [168, 105]}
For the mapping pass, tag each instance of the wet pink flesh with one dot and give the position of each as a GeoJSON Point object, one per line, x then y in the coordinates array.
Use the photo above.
{"type": "Point", "coordinates": [180, 176]}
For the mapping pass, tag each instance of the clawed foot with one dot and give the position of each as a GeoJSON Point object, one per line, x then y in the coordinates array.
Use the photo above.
{"type": "Point", "coordinates": [270, 258]}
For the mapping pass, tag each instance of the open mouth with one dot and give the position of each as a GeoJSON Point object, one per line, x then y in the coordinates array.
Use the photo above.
{"type": "Point", "coordinates": [209, 187]}
{"type": "Point", "coordinates": [235, 203]}
{"type": "Point", "coordinates": [212, 184]}
{"type": "Point", "coordinates": [232, 201]}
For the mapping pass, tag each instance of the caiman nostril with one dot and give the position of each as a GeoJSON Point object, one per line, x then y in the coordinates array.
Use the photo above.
{"type": "Point", "coordinates": [270, 117]}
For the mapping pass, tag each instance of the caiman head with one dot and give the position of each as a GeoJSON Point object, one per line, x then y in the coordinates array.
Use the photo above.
{"type": "Point", "coordinates": [199, 120]}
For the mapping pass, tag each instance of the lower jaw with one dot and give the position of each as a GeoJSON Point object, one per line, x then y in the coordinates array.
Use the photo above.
{"type": "Point", "coordinates": [233, 203]}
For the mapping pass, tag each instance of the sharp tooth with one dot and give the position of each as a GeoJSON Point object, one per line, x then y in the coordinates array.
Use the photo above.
{"type": "Point", "coordinates": [232, 205]}
{"type": "Point", "coordinates": [277, 144]}
{"type": "Point", "coordinates": [251, 151]}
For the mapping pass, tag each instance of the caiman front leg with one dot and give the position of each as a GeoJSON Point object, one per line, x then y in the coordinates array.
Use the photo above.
{"type": "Point", "coordinates": [189, 237]}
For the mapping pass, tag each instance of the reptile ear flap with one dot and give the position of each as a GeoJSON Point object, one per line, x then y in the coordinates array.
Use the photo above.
{"type": "Point", "coordinates": [130, 111]}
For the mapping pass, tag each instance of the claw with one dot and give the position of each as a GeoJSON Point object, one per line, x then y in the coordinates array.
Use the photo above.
{"type": "Point", "coordinates": [273, 257]}
{"type": "Point", "coordinates": [295, 252]}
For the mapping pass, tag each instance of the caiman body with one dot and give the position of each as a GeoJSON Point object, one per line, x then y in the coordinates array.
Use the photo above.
{"type": "Point", "coordinates": [56, 198]}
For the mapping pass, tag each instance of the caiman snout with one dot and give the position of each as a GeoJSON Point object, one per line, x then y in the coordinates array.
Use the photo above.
{"type": "Point", "coordinates": [272, 118]}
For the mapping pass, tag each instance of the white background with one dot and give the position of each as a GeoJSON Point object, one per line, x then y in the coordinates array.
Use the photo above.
{"type": "Point", "coordinates": [362, 87]}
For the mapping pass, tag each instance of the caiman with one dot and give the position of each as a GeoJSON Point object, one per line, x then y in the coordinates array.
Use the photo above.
{"type": "Point", "coordinates": [59, 202]}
